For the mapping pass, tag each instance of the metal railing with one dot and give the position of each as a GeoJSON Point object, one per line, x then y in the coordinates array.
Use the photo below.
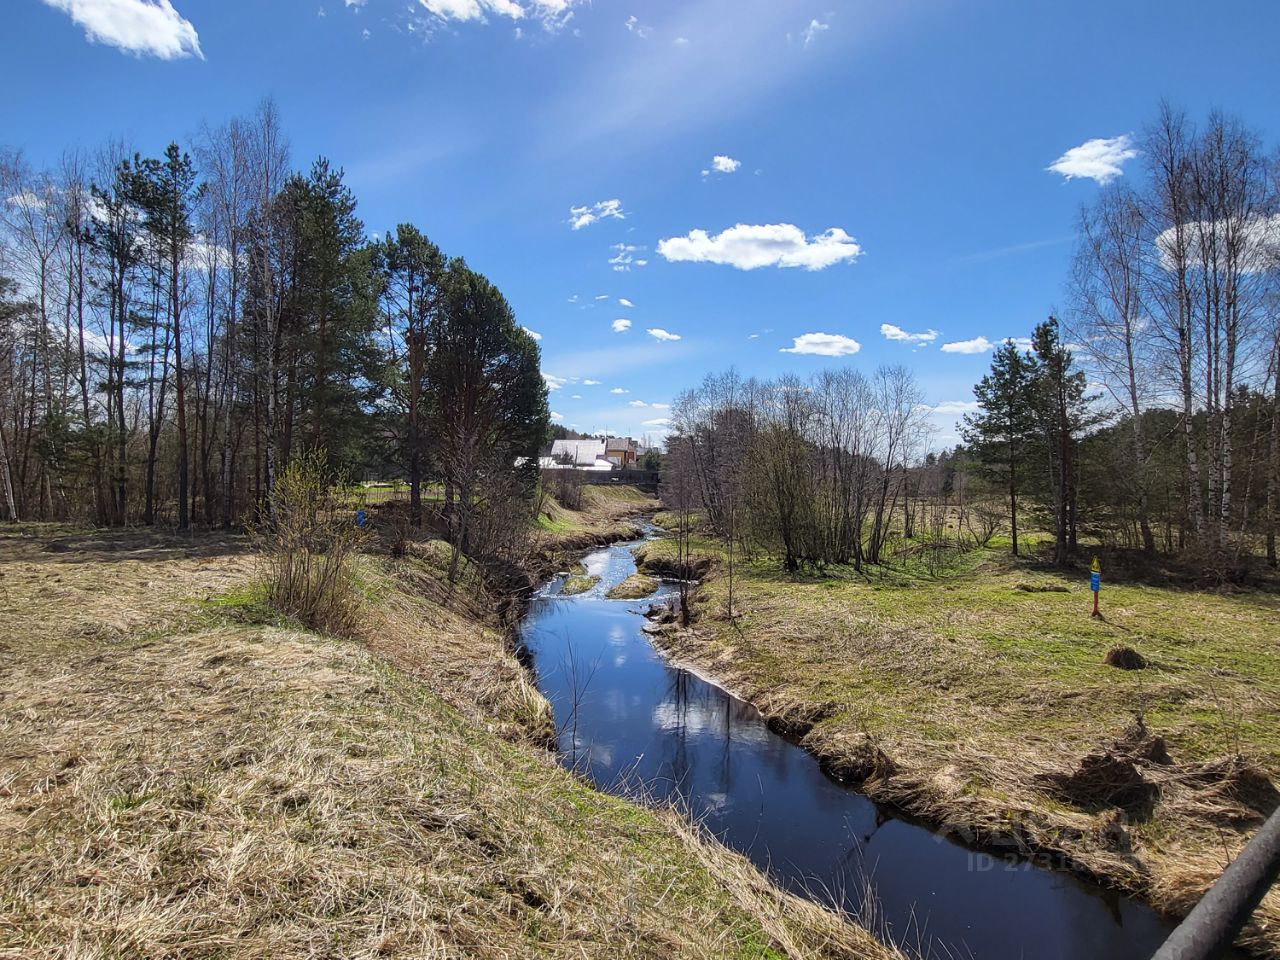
{"type": "Point", "coordinates": [1222, 912]}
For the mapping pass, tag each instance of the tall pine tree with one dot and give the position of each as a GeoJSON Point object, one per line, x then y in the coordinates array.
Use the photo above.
{"type": "Point", "coordinates": [1003, 431]}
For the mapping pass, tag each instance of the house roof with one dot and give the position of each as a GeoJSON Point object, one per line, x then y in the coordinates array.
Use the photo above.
{"type": "Point", "coordinates": [583, 453]}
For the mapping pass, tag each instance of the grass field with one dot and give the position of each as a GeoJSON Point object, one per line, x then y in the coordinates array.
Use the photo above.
{"type": "Point", "coordinates": [985, 687]}
{"type": "Point", "coordinates": [183, 774]}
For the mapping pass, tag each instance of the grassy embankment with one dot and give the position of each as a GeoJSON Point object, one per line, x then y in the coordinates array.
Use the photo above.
{"type": "Point", "coordinates": [184, 774]}
{"type": "Point", "coordinates": [973, 698]}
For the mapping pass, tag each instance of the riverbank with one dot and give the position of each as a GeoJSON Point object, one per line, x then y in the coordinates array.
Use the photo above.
{"type": "Point", "coordinates": [980, 701]}
{"type": "Point", "coordinates": [183, 773]}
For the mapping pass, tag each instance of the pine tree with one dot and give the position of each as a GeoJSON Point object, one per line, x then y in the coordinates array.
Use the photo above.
{"type": "Point", "coordinates": [1002, 433]}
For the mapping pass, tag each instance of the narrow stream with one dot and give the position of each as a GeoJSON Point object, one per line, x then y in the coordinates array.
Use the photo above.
{"type": "Point", "coordinates": [637, 726]}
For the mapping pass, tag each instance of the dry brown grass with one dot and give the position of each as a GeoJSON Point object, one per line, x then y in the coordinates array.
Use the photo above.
{"type": "Point", "coordinates": [178, 782]}
{"type": "Point", "coordinates": [997, 710]}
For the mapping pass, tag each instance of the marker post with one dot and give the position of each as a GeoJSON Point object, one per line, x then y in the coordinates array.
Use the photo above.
{"type": "Point", "coordinates": [1095, 584]}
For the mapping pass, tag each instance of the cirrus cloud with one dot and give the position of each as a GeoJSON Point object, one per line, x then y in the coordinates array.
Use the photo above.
{"type": "Point", "coordinates": [749, 247]}
{"type": "Point", "coordinates": [1100, 160]}
{"type": "Point", "coordinates": [584, 216]}
{"type": "Point", "coordinates": [141, 27]}
{"type": "Point", "coordinates": [823, 345]}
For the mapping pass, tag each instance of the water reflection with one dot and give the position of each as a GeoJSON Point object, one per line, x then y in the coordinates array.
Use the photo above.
{"type": "Point", "coordinates": [637, 726]}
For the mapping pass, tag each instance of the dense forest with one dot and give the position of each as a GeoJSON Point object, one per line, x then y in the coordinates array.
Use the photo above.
{"type": "Point", "coordinates": [175, 330]}
{"type": "Point", "coordinates": [1143, 415]}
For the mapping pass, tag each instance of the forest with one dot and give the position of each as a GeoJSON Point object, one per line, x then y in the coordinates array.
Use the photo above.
{"type": "Point", "coordinates": [1143, 414]}
{"type": "Point", "coordinates": [176, 330]}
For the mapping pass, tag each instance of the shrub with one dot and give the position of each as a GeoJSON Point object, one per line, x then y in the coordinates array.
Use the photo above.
{"type": "Point", "coordinates": [307, 551]}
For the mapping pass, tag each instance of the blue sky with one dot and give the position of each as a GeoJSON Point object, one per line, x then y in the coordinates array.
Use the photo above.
{"type": "Point", "coordinates": [882, 162]}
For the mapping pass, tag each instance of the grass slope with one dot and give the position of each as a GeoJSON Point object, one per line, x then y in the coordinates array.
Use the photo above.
{"type": "Point", "coordinates": [178, 778]}
{"type": "Point", "coordinates": [981, 692]}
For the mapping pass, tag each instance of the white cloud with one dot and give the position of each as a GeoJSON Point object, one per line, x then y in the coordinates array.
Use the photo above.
{"type": "Point", "coordinates": [576, 396]}
{"type": "Point", "coordinates": [141, 27]}
{"type": "Point", "coordinates": [532, 333]}
{"type": "Point", "coordinates": [955, 407]}
{"type": "Point", "coordinates": [580, 217]}
{"type": "Point", "coordinates": [626, 257]}
{"type": "Point", "coordinates": [365, 34]}
{"type": "Point", "coordinates": [723, 164]}
{"type": "Point", "coordinates": [639, 29]}
{"type": "Point", "coordinates": [659, 334]}
{"type": "Point", "coordinates": [976, 345]}
{"type": "Point", "coordinates": [893, 332]}
{"type": "Point", "coordinates": [355, 3]}
{"type": "Point", "coordinates": [1022, 343]}
{"type": "Point", "coordinates": [812, 31]}
{"type": "Point", "coordinates": [637, 403]}
{"type": "Point", "coordinates": [621, 326]}
{"type": "Point", "coordinates": [681, 41]}
{"type": "Point", "coordinates": [553, 14]}
{"type": "Point", "coordinates": [748, 247]}
{"type": "Point", "coordinates": [556, 416]}
{"type": "Point", "coordinates": [656, 422]}
{"type": "Point", "coordinates": [1099, 160]}
{"type": "Point", "coordinates": [591, 383]}
{"type": "Point", "coordinates": [602, 296]}
{"type": "Point", "coordinates": [623, 301]}
{"type": "Point", "coordinates": [823, 345]}
{"type": "Point", "coordinates": [653, 406]}
{"type": "Point", "coordinates": [619, 391]}
{"type": "Point", "coordinates": [1258, 241]}
{"type": "Point", "coordinates": [553, 382]}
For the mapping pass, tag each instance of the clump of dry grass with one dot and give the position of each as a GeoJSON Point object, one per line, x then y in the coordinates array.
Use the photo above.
{"type": "Point", "coordinates": [635, 587]}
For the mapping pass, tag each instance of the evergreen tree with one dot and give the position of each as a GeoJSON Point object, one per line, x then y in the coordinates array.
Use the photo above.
{"type": "Point", "coordinates": [1062, 409]}
{"type": "Point", "coordinates": [1001, 434]}
{"type": "Point", "coordinates": [411, 269]}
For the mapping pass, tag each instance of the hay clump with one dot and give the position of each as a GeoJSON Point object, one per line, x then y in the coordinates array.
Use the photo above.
{"type": "Point", "coordinates": [1125, 658]}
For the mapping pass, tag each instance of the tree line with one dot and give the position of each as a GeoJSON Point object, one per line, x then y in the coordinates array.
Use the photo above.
{"type": "Point", "coordinates": [175, 330]}
{"type": "Point", "coordinates": [1144, 415]}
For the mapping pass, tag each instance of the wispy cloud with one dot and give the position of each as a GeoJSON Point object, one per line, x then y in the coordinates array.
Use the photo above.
{"type": "Point", "coordinates": [1101, 160]}
{"type": "Point", "coordinates": [823, 345]}
{"type": "Point", "coordinates": [141, 27]}
{"type": "Point", "coordinates": [659, 334]}
{"type": "Point", "coordinates": [623, 301]}
{"type": "Point", "coordinates": [748, 247]}
{"type": "Point", "coordinates": [954, 407]}
{"type": "Point", "coordinates": [811, 33]}
{"type": "Point", "coordinates": [552, 14]}
{"type": "Point", "coordinates": [893, 332]}
{"type": "Point", "coordinates": [585, 216]}
{"type": "Point", "coordinates": [625, 258]}
{"type": "Point", "coordinates": [976, 345]}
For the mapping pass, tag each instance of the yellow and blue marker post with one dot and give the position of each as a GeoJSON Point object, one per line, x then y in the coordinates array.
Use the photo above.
{"type": "Point", "coordinates": [1095, 584]}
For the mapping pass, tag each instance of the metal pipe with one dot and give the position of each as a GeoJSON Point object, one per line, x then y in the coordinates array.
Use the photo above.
{"type": "Point", "coordinates": [1223, 911]}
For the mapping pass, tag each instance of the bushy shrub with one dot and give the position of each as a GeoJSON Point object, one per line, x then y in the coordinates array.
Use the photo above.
{"type": "Point", "coordinates": [307, 549]}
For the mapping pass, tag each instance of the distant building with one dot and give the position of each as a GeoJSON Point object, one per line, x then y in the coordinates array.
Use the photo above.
{"type": "Point", "coordinates": [606, 453]}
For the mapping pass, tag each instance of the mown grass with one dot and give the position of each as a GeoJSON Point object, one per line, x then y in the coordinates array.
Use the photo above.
{"type": "Point", "coordinates": [181, 774]}
{"type": "Point", "coordinates": [976, 688]}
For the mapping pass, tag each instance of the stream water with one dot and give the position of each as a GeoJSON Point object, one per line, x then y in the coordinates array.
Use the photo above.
{"type": "Point", "coordinates": [636, 725]}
